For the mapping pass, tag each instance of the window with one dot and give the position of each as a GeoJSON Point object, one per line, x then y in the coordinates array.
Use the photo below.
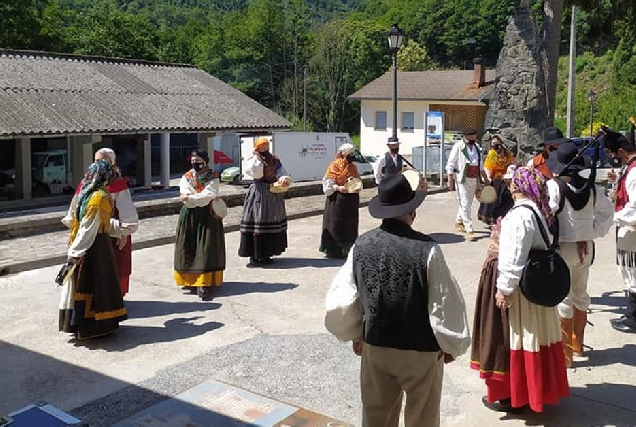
{"type": "Point", "coordinates": [380, 120]}
{"type": "Point", "coordinates": [408, 121]}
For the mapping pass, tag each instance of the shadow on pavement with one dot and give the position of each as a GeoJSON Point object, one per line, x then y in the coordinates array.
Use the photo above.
{"type": "Point", "coordinates": [129, 336]}
{"type": "Point", "coordinates": [144, 309]}
{"type": "Point", "coordinates": [241, 288]}
{"type": "Point", "coordinates": [103, 400]}
{"type": "Point", "coordinates": [289, 263]}
{"type": "Point", "coordinates": [446, 238]}
{"type": "Point", "coordinates": [609, 302]}
{"type": "Point", "coordinates": [625, 355]}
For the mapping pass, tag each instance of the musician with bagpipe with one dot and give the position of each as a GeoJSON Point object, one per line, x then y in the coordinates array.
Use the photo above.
{"type": "Point", "coordinates": [583, 213]}
{"type": "Point", "coordinates": [623, 148]}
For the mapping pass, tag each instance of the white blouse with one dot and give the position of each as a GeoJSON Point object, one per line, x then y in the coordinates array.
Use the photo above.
{"type": "Point", "coordinates": [205, 196]}
{"type": "Point", "coordinates": [627, 216]}
{"type": "Point", "coordinates": [519, 233]}
{"type": "Point", "coordinates": [254, 168]}
{"type": "Point", "coordinates": [446, 307]}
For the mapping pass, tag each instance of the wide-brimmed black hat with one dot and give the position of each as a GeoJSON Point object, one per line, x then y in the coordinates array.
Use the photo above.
{"type": "Point", "coordinates": [470, 131]}
{"type": "Point", "coordinates": [395, 198]}
{"type": "Point", "coordinates": [553, 136]}
{"type": "Point", "coordinates": [565, 159]}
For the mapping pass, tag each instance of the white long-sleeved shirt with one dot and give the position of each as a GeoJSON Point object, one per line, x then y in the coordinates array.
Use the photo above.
{"type": "Point", "coordinates": [519, 234]}
{"type": "Point", "coordinates": [457, 160]}
{"type": "Point", "coordinates": [125, 207]}
{"type": "Point", "coordinates": [627, 216]}
{"type": "Point", "coordinates": [446, 307]}
{"type": "Point", "coordinates": [591, 222]}
{"type": "Point", "coordinates": [254, 168]}
{"type": "Point", "coordinates": [205, 196]}
{"type": "Point", "coordinates": [88, 229]}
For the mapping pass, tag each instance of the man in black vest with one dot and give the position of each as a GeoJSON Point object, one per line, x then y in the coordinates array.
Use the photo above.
{"type": "Point", "coordinates": [380, 300]}
{"type": "Point", "coordinates": [391, 164]}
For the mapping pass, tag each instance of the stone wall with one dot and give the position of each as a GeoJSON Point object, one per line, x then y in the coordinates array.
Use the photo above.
{"type": "Point", "coordinates": [518, 103]}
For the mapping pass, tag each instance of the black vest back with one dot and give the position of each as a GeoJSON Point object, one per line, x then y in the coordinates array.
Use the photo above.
{"type": "Point", "coordinates": [390, 271]}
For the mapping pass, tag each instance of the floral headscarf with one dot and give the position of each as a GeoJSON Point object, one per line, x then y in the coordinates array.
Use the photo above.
{"type": "Point", "coordinates": [530, 183]}
{"type": "Point", "coordinates": [98, 175]}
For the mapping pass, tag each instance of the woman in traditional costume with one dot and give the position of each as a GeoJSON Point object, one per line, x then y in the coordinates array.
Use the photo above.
{"type": "Point", "coordinates": [199, 252]}
{"type": "Point", "coordinates": [496, 162]}
{"type": "Point", "coordinates": [124, 211]}
{"type": "Point", "coordinates": [92, 304]}
{"type": "Point", "coordinates": [537, 374]}
{"type": "Point", "coordinates": [264, 221]}
{"type": "Point", "coordinates": [340, 218]}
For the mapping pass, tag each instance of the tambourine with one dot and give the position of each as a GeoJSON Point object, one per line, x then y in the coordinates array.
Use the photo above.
{"type": "Point", "coordinates": [486, 194]}
{"type": "Point", "coordinates": [278, 187]}
{"type": "Point", "coordinates": [353, 185]}
{"type": "Point", "coordinates": [219, 208]}
{"type": "Point", "coordinates": [415, 179]}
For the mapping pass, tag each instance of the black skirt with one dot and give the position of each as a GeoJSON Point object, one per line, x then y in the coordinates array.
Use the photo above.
{"type": "Point", "coordinates": [339, 224]}
{"type": "Point", "coordinates": [489, 212]}
{"type": "Point", "coordinates": [200, 243]}
{"type": "Point", "coordinates": [98, 305]}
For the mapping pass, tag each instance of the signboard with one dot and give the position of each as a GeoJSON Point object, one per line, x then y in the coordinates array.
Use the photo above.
{"type": "Point", "coordinates": [434, 139]}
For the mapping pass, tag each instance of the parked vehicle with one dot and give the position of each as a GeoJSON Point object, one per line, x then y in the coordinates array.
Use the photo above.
{"type": "Point", "coordinates": [48, 172]}
{"type": "Point", "coordinates": [231, 174]}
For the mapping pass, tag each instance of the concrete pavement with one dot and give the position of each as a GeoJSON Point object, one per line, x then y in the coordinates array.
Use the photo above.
{"type": "Point", "coordinates": [264, 332]}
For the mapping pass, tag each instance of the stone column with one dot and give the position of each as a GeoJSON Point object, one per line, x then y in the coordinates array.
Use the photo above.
{"type": "Point", "coordinates": [165, 160]}
{"type": "Point", "coordinates": [144, 162]}
{"type": "Point", "coordinates": [23, 181]}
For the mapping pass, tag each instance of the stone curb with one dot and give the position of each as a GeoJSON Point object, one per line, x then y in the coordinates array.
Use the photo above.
{"type": "Point", "coordinates": [58, 259]}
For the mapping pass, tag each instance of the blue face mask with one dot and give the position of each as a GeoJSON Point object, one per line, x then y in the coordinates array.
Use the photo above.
{"type": "Point", "coordinates": [198, 166]}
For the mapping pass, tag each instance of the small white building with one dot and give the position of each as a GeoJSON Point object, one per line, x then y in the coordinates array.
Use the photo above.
{"type": "Point", "coordinates": [459, 94]}
{"type": "Point", "coordinates": [57, 109]}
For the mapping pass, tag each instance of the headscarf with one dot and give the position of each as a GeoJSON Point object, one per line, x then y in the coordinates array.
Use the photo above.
{"type": "Point", "coordinates": [532, 184]}
{"type": "Point", "coordinates": [347, 149]}
{"type": "Point", "coordinates": [260, 142]}
{"type": "Point", "coordinates": [98, 175]}
{"type": "Point", "coordinates": [199, 180]}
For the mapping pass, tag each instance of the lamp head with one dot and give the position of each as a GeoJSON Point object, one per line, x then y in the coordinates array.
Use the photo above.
{"type": "Point", "coordinates": [395, 38]}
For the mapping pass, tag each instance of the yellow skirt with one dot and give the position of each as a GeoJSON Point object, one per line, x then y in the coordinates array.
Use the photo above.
{"type": "Point", "coordinates": [213, 278]}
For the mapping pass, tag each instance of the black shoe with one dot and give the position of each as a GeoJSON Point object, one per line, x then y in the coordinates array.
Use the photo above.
{"type": "Point", "coordinates": [205, 293]}
{"type": "Point", "coordinates": [266, 261]}
{"type": "Point", "coordinates": [501, 406]}
{"type": "Point", "coordinates": [624, 324]}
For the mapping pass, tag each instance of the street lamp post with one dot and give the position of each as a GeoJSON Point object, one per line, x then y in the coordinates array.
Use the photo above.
{"type": "Point", "coordinates": [591, 96]}
{"type": "Point", "coordinates": [395, 40]}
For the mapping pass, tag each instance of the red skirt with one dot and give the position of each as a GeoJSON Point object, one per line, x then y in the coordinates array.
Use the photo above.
{"type": "Point", "coordinates": [123, 261]}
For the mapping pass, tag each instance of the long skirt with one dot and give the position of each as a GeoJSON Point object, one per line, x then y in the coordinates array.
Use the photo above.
{"type": "Point", "coordinates": [489, 212]}
{"type": "Point", "coordinates": [490, 350]}
{"type": "Point", "coordinates": [339, 224]}
{"type": "Point", "coordinates": [123, 261]}
{"type": "Point", "coordinates": [538, 373]}
{"type": "Point", "coordinates": [264, 223]}
{"type": "Point", "coordinates": [199, 250]}
{"type": "Point", "coordinates": [92, 304]}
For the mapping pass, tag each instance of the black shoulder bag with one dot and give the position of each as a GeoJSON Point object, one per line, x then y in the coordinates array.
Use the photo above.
{"type": "Point", "coordinates": [545, 279]}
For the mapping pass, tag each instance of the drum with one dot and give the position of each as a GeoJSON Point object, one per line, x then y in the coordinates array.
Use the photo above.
{"type": "Point", "coordinates": [415, 179]}
{"type": "Point", "coordinates": [219, 208]}
{"type": "Point", "coordinates": [353, 185]}
{"type": "Point", "coordinates": [277, 187]}
{"type": "Point", "coordinates": [487, 194]}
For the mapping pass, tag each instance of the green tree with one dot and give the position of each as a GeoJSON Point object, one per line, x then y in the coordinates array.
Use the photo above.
{"type": "Point", "coordinates": [414, 57]}
{"type": "Point", "coordinates": [21, 25]}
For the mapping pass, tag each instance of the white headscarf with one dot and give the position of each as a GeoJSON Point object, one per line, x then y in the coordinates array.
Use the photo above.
{"type": "Point", "coordinates": [347, 149]}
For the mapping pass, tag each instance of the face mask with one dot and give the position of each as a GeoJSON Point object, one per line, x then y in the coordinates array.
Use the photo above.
{"type": "Point", "coordinates": [350, 159]}
{"type": "Point", "coordinates": [198, 166]}
{"type": "Point", "coordinates": [265, 153]}
{"type": "Point", "coordinates": [496, 147]}
{"type": "Point", "coordinates": [394, 150]}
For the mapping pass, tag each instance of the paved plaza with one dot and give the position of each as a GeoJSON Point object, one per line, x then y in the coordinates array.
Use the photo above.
{"type": "Point", "coordinates": [263, 333]}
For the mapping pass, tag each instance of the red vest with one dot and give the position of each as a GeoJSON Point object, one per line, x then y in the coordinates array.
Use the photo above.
{"type": "Point", "coordinates": [621, 189]}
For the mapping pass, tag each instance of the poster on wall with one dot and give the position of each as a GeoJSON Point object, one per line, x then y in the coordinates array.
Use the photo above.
{"type": "Point", "coordinates": [433, 153]}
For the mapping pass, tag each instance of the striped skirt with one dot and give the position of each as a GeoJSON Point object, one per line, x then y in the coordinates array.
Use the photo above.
{"type": "Point", "coordinates": [264, 223]}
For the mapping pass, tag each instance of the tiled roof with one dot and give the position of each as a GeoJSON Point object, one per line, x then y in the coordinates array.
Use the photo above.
{"type": "Point", "coordinates": [451, 85]}
{"type": "Point", "coordinates": [44, 93]}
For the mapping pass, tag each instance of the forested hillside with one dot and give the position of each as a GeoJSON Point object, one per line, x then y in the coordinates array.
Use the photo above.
{"type": "Point", "coordinates": [278, 50]}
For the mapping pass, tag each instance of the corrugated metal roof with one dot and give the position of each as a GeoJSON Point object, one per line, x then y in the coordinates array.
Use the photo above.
{"type": "Point", "coordinates": [451, 85]}
{"type": "Point", "coordinates": [44, 93]}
